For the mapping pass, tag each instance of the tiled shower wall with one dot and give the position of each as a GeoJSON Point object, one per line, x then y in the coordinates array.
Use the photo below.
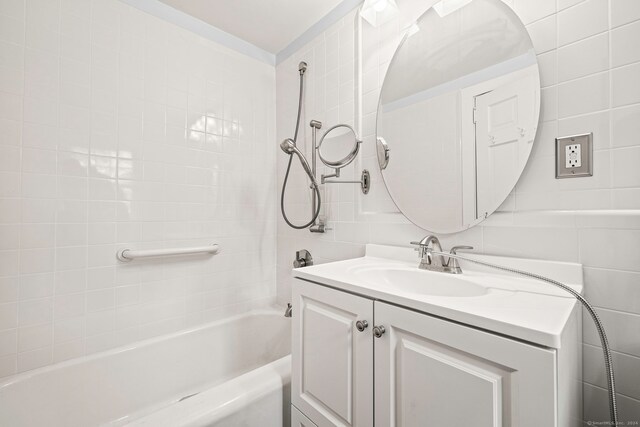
{"type": "Point", "coordinates": [589, 56]}
{"type": "Point", "coordinates": [120, 130]}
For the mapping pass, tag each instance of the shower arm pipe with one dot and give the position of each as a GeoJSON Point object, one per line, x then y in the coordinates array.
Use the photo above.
{"type": "Point", "coordinates": [606, 350]}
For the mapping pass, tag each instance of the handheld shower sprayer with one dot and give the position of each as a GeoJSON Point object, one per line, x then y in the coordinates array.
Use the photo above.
{"type": "Point", "coordinates": [289, 146]}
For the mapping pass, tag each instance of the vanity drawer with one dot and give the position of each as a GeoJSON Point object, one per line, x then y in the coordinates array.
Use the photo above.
{"type": "Point", "coordinates": [298, 419]}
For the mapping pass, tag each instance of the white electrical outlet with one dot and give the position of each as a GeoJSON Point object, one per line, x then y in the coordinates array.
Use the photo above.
{"type": "Point", "coordinates": [573, 156]}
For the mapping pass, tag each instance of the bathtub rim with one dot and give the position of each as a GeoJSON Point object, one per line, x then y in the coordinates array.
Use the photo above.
{"type": "Point", "coordinates": [23, 376]}
{"type": "Point", "coordinates": [227, 404]}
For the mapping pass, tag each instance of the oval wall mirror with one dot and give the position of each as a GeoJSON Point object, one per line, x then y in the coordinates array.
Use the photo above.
{"type": "Point", "coordinates": [339, 146]}
{"type": "Point", "coordinates": [458, 114]}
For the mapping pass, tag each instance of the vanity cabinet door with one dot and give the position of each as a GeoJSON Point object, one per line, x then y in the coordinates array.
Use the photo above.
{"type": "Point", "coordinates": [332, 361]}
{"type": "Point", "coordinates": [431, 372]}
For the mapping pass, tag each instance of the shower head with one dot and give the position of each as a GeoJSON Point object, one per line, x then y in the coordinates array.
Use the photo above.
{"type": "Point", "coordinates": [289, 147]}
{"type": "Point", "coordinates": [302, 67]}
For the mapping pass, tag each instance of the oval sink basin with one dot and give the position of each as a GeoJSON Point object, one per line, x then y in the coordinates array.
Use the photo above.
{"type": "Point", "coordinates": [421, 282]}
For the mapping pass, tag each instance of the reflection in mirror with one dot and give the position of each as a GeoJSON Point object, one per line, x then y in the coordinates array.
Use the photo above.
{"type": "Point", "coordinates": [459, 112]}
{"type": "Point", "coordinates": [382, 149]}
{"type": "Point", "coordinates": [338, 146]}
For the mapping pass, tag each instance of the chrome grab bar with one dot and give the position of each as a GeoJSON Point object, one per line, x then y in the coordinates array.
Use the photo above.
{"type": "Point", "coordinates": [129, 255]}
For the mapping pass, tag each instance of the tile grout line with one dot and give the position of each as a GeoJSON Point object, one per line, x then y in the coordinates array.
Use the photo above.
{"type": "Point", "coordinates": [633, 356]}
{"type": "Point", "coordinates": [611, 144]}
{"type": "Point", "coordinates": [83, 336]}
{"type": "Point", "coordinates": [617, 392]}
{"type": "Point", "coordinates": [20, 237]}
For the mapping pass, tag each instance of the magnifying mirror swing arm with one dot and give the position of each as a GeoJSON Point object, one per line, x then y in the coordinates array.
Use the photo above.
{"type": "Point", "coordinates": [365, 177]}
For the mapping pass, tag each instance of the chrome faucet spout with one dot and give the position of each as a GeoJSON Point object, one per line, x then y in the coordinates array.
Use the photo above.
{"type": "Point", "coordinates": [432, 257]}
{"type": "Point", "coordinates": [427, 260]}
{"type": "Point", "coordinates": [432, 243]}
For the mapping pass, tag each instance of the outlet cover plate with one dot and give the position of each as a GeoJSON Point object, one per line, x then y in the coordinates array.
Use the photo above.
{"type": "Point", "coordinates": [574, 156]}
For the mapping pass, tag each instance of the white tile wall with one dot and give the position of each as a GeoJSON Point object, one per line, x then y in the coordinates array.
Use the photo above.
{"type": "Point", "coordinates": [120, 130]}
{"type": "Point", "coordinates": [590, 63]}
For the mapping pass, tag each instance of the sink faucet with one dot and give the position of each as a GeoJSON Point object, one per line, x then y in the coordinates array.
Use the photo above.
{"type": "Point", "coordinates": [427, 259]}
{"type": "Point", "coordinates": [436, 261]}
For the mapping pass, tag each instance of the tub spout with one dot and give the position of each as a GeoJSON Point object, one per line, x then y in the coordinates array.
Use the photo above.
{"type": "Point", "coordinates": [288, 310]}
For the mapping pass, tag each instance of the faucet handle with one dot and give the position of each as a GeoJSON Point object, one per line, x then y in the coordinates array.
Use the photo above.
{"type": "Point", "coordinates": [452, 262]}
{"type": "Point", "coordinates": [418, 246]}
{"type": "Point", "coordinates": [454, 250]}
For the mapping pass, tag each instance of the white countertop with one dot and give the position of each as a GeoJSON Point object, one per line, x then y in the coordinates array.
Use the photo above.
{"type": "Point", "coordinates": [515, 306]}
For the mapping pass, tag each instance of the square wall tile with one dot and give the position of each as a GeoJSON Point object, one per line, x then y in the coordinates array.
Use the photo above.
{"type": "Point", "coordinates": [624, 11]}
{"type": "Point", "coordinates": [585, 95]}
{"type": "Point", "coordinates": [625, 124]}
{"type": "Point", "coordinates": [624, 49]}
{"type": "Point", "coordinates": [586, 19]}
{"type": "Point", "coordinates": [588, 56]}
{"type": "Point", "coordinates": [626, 85]}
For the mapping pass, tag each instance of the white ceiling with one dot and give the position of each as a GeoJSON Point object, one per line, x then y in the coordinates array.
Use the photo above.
{"type": "Point", "coordinates": [269, 24]}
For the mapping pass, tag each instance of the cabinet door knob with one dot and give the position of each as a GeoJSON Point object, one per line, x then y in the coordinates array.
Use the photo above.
{"type": "Point", "coordinates": [378, 331]}
{"type": "Point", "coordinates": [361, 325]}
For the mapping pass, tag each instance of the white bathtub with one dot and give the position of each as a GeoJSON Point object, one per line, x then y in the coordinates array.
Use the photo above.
{"type": "Point", "coordinates": [239, 367]}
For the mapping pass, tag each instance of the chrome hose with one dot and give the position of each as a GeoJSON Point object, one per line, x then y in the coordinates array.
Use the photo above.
{"type": "Point", "coordinates": [300, 92]}
{"type": "Point", "coordinates": [314, 186]}
{"type": "Point", "coordinates": [613, 406]}
{"type": "Point", "coordinates": [315, 194]}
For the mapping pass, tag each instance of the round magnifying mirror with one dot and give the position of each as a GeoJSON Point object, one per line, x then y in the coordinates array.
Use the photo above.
{"type": "Point", "coordinates": [458, 111]}
{"type": "Point", "coordinates": [338, 146]}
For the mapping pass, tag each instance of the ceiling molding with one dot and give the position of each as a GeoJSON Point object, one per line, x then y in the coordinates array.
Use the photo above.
{"type": "Point", "coordinates": [338, 12]}
{"type": "Point", "coordinates": [188, 22]}
{"type": "Point", "coordinates": [181, 19]}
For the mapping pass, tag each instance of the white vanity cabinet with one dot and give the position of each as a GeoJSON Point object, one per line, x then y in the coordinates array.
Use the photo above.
{"type": "Point", "coordinates": [421, 371]}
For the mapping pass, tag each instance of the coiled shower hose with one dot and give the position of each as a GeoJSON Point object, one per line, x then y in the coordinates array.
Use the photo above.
{"type": "Point", "coordinates": [613, 406]}
{"type": "Point", "coordinates": [316, 195]}
{"type": "Point", "coordinates": [314, 186]}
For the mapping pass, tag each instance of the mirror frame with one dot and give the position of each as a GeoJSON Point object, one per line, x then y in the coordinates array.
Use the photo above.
{"type": "Point", "coordinates": [345, 161]}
